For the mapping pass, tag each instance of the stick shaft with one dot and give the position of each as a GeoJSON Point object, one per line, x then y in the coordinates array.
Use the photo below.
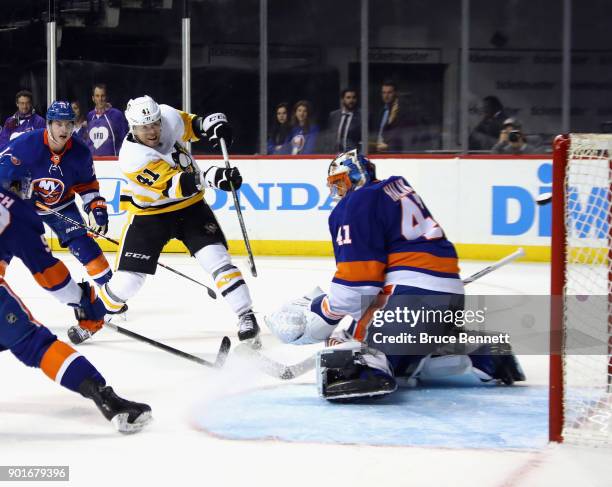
{"type": "Point", "coordinates": [245, 237]}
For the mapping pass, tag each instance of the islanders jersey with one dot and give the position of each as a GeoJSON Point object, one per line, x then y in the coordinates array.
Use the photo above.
{"type": "Point", "coordinates": [22, 236]}
{"type": "Point", "coordinates": [155, 174]}
{"type": "Point", "coordinates": [56, 178]}
{"type": "Point", "coordinates": [384, 235]}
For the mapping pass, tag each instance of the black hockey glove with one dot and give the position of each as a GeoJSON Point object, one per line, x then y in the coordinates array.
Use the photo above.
{"type": "Point", "coordinates": [214, 127]}
{"type": "Point", "coordinates": [220, 178]}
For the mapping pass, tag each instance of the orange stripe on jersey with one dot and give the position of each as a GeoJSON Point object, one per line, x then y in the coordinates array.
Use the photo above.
{"type": "Point", "coordinates": [52, 276]}
{"type": "Point", "coordinates": [54, 358]}
{"type": "Point", "coordinates": [380, 301]}
{"type": "Point", "coordinates": [366, 270]}
{"type": "Point", "coordinates": [3, 266]}
{"type": "Point", "coordinates": [98, 266]}
{"type": "Point", "coordinates": [91, 186]}
{"type": "Point", "coordinates": [424, 261]}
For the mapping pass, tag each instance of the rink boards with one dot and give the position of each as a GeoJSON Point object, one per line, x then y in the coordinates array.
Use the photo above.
{"type": "Point", "coordinates": [485, 204]}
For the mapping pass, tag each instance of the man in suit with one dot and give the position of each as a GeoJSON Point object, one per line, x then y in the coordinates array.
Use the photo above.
{"type": "Point", "coordinates": [344, 124]}
{"type": "Point", "coordinates": [391, 123]}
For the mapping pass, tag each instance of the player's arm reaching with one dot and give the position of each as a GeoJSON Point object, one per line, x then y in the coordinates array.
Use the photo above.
{"type": "Point", "coordinates": [156, 177]}
{"type": "Point", "coordinates": [361, 255]}
{"type": "Point", "coordinates": [94, 203]}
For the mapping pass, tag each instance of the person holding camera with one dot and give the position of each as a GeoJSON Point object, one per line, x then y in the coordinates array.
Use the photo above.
{"type": "Point", "coordinates": [512, 140]}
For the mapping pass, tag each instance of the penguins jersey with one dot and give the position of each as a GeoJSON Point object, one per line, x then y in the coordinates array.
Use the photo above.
{"type": "Point", "coordinates": [22, 236]}
{"type": "Point", "coordinates": [155, 175]}
{"type": "Point", "coordinates": [384, 235]}
{"type": "Point", "coordinates": [56, 177]}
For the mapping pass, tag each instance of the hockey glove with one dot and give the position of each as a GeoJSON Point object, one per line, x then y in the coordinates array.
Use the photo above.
{"type": "Point", "coordinates": [214, 127]}
{"type": "Point", "coordinates": [98, 216]}
{"type": "Point", "coordinates": [297, 323]}
{"type": "Point", "coordinates": [220, 178]}
{"type": "Point", "coordinates": [90, 311]}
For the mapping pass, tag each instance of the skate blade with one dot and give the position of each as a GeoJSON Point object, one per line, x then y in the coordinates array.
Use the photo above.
{"type": "Point", "coordinates": [120, 422]}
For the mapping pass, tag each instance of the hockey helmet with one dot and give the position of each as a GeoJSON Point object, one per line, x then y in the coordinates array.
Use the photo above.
{"type": "Point", "coordinates": [349, 171]}
{"type": "Point", "coordinates": [142, 111]}
{"type": "Point", "coordinates": [60, 110]}
{"type": "Point", "coordinates": [15, 177]}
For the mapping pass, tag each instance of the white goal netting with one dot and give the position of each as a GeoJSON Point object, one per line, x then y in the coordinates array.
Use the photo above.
{"type": "Point", "coordinates": [587, 329]}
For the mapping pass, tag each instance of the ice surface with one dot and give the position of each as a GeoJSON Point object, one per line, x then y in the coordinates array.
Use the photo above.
{"type": "Point", "coordinates": [40, 423]}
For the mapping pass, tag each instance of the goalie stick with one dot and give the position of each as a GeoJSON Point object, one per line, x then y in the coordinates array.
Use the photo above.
{"type": "Point", "coordinates": [288, 372]}
{"type": "Point", "coordinates": [211, 293]}
{"type": "Point", "coordinates": [217, 364]}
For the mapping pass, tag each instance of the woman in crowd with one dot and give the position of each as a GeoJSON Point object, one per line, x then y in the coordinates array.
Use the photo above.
{"type": "Point", "coordinates": [278, 140]}
{"type": "Point", "coordinates": [304, 132]}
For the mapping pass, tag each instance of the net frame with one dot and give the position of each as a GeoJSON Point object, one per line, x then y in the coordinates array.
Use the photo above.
{"type": "Point", "coordinates": [580, 390]}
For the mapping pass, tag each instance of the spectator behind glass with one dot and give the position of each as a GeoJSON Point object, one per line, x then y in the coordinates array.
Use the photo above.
{"type": "Point", "coordinates": [23, 120]}
{"type": "Point", "coordinates": [394, 131]}
{"type": "Point", "coordinates": [80, 124]}
{"type": "Point", "coordinates": [344, 125]}
{"type": "Point", "coordinates": [107, 126]}
{"type": "Point", "coordinates": [304, 132]}
{"type": "Point", "coordinates": [486, 133]}
{"type": "Point", "coordinates": [280, 131]}
{"type": "Point", "coordinates": [513, 141]}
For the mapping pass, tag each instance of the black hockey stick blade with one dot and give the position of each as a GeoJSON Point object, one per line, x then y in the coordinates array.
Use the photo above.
{"type": "Point", "coordinates": [225, 343]}
{"type": "Point", "coordinates": [223, 352]}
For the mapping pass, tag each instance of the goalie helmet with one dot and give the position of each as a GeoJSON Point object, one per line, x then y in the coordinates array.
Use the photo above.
{"type": "Point", "coordinates": [15, 177]}
{"type": "Point", "coordinates": [349, 171]}
{"type": "Point", "coordinates": [143, 110]}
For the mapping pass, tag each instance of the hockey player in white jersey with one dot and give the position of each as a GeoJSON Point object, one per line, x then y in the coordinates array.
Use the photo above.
{"type": "Point", "coordinates": [390, 254]}
{"type": "Point", "coordinates": [165, 199]}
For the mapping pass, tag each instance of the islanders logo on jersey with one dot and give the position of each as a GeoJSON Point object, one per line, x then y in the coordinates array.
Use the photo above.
{"type": "Point", "coordinates": [50, 190]}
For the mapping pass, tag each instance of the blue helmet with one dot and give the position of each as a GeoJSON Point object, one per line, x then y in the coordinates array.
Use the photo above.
{"type": "Point", "coordinates": [15, 177]}
{"type": "Point", "coordinates": [349, 171]}
{"type": "Point", "coordinates": [61, 110]}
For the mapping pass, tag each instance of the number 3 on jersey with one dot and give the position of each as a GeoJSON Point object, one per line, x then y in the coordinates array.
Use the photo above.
{"type": "Point", "coordinates": [344, 235]}
{"type": "Point", "coordinates": [414, 223]}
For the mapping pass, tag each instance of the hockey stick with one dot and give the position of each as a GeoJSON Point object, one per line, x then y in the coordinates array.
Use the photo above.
{"type": "Point", "coordinates": [287, 372]}
{"type": "Point", "coordinates": [217, 364]}
{"type": "Point", "coordinates": [211, 293]}
{"type": "Point", "coordinates": [245, 237]}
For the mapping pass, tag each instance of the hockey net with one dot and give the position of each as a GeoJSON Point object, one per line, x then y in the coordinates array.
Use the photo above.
{"type": "Point", "coordinates": [581, 289]}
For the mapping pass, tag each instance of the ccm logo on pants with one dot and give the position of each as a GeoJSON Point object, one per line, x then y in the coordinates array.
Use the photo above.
{"type": "Point", "coordinates": [137, 256]}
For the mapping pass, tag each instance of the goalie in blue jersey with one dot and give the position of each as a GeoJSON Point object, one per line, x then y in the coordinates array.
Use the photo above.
{"type": "Point", "coordinates": [22, 236]}
{"type": "Point", "coordinates": [391, 254]}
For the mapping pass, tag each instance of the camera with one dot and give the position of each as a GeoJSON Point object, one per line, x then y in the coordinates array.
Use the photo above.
{"type": "Point", "coordinates": [514, 135]}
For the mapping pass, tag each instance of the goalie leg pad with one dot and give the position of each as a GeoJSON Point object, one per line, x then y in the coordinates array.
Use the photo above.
{"type": "Point", "coordinates": [351, 371]}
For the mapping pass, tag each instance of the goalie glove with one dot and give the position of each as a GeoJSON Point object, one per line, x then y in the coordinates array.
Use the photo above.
{"type": "Point", "coordinates": [220, 178]}
{"type": "Point", "coordinates": [97, 215]}
{"type": "Point", "coordinates": [300, 322]}
{"type": "Point", "coordinates": [214, 127]}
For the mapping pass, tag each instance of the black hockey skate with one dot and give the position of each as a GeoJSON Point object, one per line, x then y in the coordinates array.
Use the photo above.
{"type": "Point", "coordinates": [248, 330]}
{"type": "Point", "coordinates": [78, 335]}
{"type": "Point", "coordinates": [126, 416]}
{"type": "Point", "coordinates": [346, 380]}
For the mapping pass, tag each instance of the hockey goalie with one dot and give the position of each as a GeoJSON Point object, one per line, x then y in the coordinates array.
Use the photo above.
{"type": "Point", "coordinates": [389, 252]}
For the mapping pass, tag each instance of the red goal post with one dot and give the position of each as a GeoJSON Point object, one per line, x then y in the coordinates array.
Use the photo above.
{"type": "Point", "coordinates": [581, 290]}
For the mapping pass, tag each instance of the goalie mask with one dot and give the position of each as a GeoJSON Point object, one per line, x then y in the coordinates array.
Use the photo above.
{"type": "Point", "coordinates": [349, 171]}
{"type": "Point", "coordinates": [14, 177]}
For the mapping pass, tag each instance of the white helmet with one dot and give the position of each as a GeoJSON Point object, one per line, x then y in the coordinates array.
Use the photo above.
{"type": "Point", "coordinates": [142, 111]}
